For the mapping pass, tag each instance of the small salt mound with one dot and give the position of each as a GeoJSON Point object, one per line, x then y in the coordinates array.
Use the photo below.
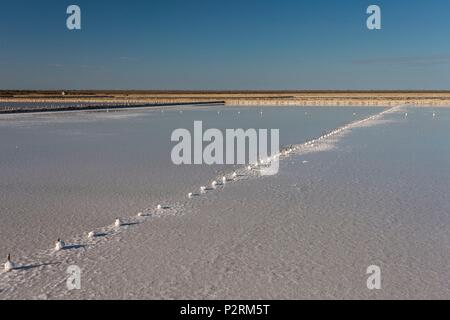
{"type": "Point", "coordinates": [9, 265]}
{"type": "Point", "coordinates": [60, 245]}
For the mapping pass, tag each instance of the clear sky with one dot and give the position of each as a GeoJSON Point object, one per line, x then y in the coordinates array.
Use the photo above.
{"type": "Point", "coordinates": [225, 44]}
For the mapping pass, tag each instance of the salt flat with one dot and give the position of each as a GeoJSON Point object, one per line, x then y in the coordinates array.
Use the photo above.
{"type": "Point", "coordinates": [373, 194]}
{"type": "Point", "coordinates": [62, 174]}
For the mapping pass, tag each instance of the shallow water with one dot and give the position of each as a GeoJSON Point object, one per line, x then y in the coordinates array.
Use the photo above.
{"type": "Point", "coordinates": [67, 173]}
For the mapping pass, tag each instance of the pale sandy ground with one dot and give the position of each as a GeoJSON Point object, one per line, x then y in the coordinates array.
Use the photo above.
{"type": "Point", "coordinates": [309, 232]}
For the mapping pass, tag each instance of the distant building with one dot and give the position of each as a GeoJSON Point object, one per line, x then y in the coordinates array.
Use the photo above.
{"type": "Point", "coordinates": [63, 93]}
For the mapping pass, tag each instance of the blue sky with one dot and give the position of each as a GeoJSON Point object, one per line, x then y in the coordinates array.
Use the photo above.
{"type": "Point", "coordinates": [226, 44]}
